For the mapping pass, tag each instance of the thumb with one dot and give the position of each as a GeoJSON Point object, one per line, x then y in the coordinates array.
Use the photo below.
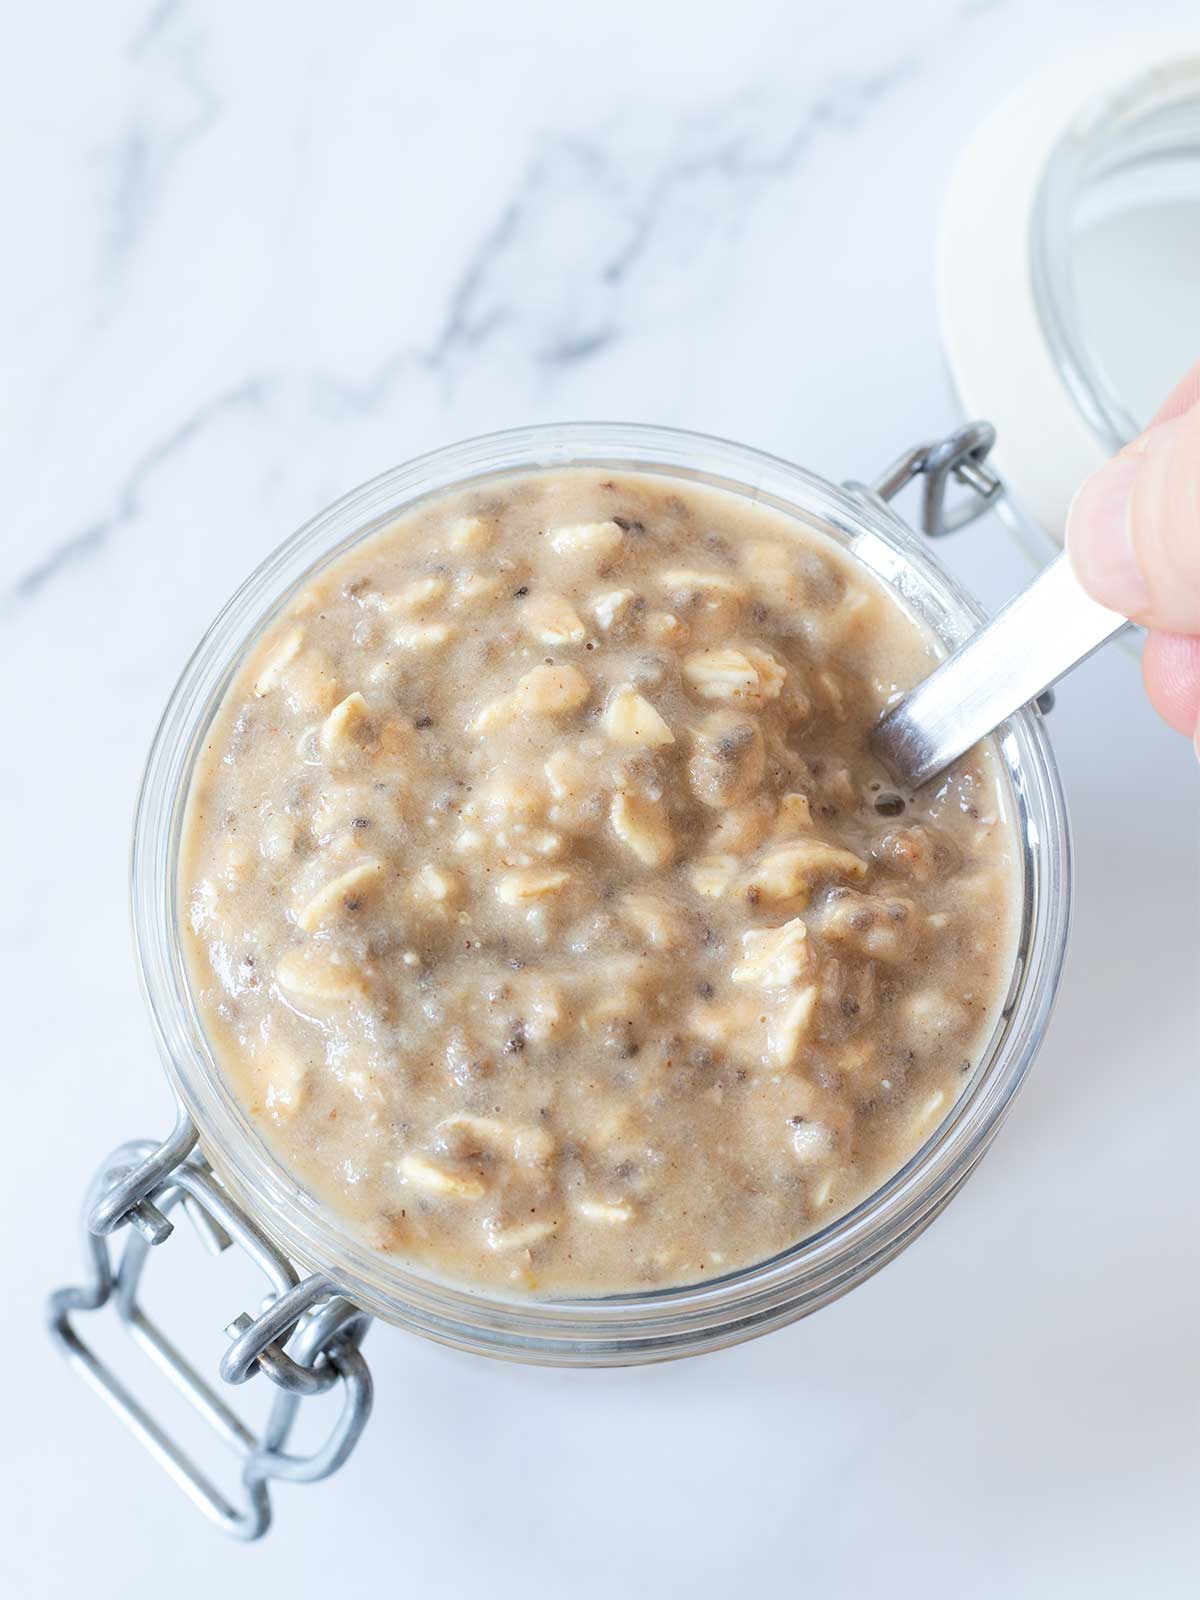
{"type": "Point", "coordinates": [1133, 530]}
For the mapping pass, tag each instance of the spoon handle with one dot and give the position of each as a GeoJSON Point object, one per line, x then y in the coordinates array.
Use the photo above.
{"type": "Point", "coordinates": [1041, 634]}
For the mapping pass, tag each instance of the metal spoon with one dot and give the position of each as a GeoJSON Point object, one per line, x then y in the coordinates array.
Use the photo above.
{"type": "Point", "coordinates": [1039, 636]}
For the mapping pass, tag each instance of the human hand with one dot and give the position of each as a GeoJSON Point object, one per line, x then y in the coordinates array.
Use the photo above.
{"type": "Point", "coordinates": [1133, 535]}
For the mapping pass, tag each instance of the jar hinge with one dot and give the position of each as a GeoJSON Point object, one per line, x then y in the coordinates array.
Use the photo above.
{"type": "Point", "coordinates": [137, 1188]}
{"type": "Point", "coordinates": [961, 456]}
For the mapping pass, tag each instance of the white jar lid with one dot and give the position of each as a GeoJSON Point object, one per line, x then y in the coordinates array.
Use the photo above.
{"type": "Point", "coordinates": [1070, 263]}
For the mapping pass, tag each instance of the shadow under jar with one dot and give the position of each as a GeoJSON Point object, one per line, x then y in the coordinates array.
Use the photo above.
{"type": "Point", "coordinates": [657, 1323]}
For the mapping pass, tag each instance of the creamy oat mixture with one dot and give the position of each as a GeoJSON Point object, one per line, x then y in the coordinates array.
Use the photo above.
{"type": "Point", "coordinates": [546, 910]}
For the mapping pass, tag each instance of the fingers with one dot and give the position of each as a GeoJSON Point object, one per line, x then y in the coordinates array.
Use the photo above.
{"type": "Point", "coordinates": [1182, 397]}
{"type": "Point", "coordinates": [1171, 670]}
{"type": "Point", "coordinates": [1133, 531]}
{"type": "Point", "coordinates": [1133, 534]}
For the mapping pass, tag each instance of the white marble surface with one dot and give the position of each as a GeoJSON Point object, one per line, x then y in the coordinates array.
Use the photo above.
{"type": "Point", "coordinates": [256, 254]}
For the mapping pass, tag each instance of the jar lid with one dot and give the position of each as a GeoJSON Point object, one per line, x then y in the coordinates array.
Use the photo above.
{"type": "Point", "coordinates": [1070, 264]}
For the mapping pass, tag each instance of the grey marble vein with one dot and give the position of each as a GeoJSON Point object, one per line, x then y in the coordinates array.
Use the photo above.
{"type": "Point", "coordinates": [146, 154]}
{"type": "Point", "coordinates": [717, 166]}
{"type": "Point", "coordinates": [160, 17]}
{"type": "Point", "coordinates": [89, 540]}
{"type": "Point", "coordinates": [718, 147]}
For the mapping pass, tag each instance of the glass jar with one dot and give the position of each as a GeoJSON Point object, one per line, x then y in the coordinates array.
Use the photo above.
{"type": "Point", "coordinates": [1115, 249]}
{"type": "Point", "coordinates": [248, 1195]}
{"type": "Point", "coordinates": [1069, 259]}
{"type": "Point", "coordinates": [635, 1327]}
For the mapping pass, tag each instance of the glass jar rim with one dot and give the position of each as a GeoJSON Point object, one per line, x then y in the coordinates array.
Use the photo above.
{"type": "Point", "coordinates": [660, 1323]}
{"type": "Point", "coordinates": [1143, 125]}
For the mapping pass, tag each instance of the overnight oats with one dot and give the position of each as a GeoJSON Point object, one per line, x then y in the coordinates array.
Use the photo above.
{"type": "Point", "coordinates": [546, 910]}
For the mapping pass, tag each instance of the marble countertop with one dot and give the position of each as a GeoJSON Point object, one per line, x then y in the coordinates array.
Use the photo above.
{"type": "Point", "coordinates": [257, 254]}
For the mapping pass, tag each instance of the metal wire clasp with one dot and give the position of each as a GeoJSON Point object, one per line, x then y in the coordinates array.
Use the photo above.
{"type": "Point", "coordinates": [140, 1185]}
{"type": "Point", "coordinates": [961, 456]}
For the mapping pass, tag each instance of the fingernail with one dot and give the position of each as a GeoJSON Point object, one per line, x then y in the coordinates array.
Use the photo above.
{"type": "Point", "coordinates": [1098, 537]}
